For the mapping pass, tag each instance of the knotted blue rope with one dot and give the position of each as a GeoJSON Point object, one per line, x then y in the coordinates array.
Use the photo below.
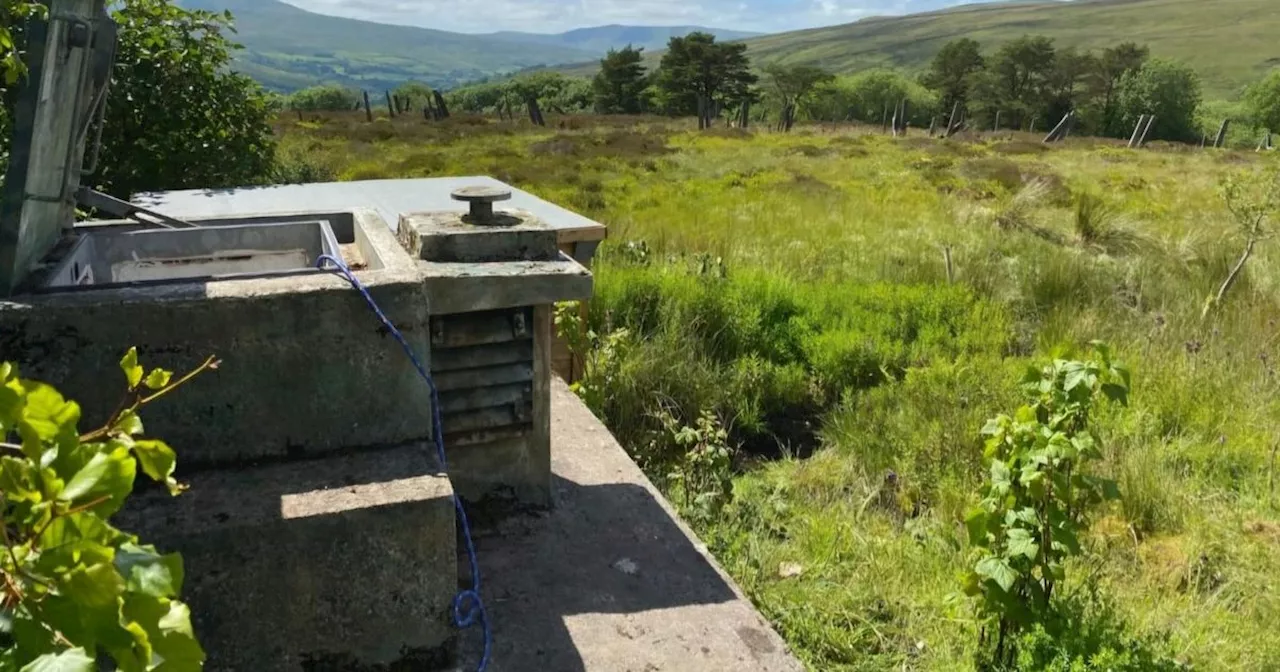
{"type": "Point", "coordinates": [468, 608]}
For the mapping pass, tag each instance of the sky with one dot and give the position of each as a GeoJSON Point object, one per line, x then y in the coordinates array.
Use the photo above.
{"type": "Point", "coordinates": [554, 16]}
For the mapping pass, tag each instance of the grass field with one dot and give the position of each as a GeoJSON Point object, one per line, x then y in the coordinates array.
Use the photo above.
{"type": "Point", "coordinates": [797, 287]}
{"type": "Point", "coordinates": [1230, 43]}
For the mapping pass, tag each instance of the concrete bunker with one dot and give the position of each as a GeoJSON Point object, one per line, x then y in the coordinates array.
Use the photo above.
{"type": "Point", "coordinates": [319, 526]}
{"type": "Point", "coordinates": [320, 529]}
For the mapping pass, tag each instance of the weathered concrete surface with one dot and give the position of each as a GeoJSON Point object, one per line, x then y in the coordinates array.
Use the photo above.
{"type": "Point", "coordinates": [457, 288]}
{"type": "Point", "coordinates": [511, 235]}
{"type": "Point", "coordinates": [611, 580]}
{"type": "Point", "coordinates": [338, 563]}
{"type": "Point", "coordinates": [307, 368]}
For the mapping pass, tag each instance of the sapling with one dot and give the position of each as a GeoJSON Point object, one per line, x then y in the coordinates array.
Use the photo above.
{"type": "Point", "coordinates": [1253, 201]}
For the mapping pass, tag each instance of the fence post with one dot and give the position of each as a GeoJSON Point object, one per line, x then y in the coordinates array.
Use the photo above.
{"type": "Point", "coordinates": [1137, 130]}
{"type": "Point", "coordinates": [1151, 121]}
{"type": "Point", "coordinates": [996, 129]}
{"type": "Point", "coordinates": [390, 107]}
{"type": "Point", "coordinates": [1058, 131]}
{"type": "Point", "coordinates": [368, 111]}
{"type": "Point", "coordinates": [1221, 140]}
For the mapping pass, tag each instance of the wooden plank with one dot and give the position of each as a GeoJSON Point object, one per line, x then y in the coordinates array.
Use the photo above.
{"type": "Point", "coordinates": [581, 234]}
{"type": "Point", "coordinates": [481, 356]}
{"type": "Point", "coordinates": [494, 375]}
{"type": "Point", "coordinates": [540, 435]}
{"type": "Point", "coordinates": [475, 399]}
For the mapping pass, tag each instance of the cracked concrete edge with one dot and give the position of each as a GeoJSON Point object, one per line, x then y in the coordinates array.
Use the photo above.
{"type": "Point", "coordinates": [568, 410]}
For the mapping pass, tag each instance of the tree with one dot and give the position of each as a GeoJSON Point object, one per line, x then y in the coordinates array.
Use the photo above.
{"type": "Point", "coordinates": [1072, 84]}
{"type": "Point", "coordinates": [1168, 90]}
{"type": "Point", "coordinates": [794, 83]}
{"type": "Point", "coordinates": [618, 87]}
{"type": "Point", "coordinates": [1263, 102]}
{"type": "Point", "coordinates": [414, 93]}
{"type": "Point", "coordinates": [1016, 80]}
{"type": "Point", "coordinates": [177, 117]}
{"type": "Point", "coordinates": [324, 99]}
{"type": "Point", "coordinates": [697, 66]}
{"type": "Point", "coordinates": [1113, 65]}
{"type": "Point", "coordinates": [952, 71]}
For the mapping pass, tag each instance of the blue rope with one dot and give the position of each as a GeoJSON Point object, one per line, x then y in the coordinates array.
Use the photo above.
{"type": "Point", "coordinates": [468, 608]}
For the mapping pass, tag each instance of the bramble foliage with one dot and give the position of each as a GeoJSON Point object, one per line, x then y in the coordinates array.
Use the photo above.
{"type": "Point", "coordinates": [74, 587]}
{"type": "Point", "coordinates": [1039, 495]}
{"type": "Point", "coordinates": [702, 478]}
{"type": "Point", "coordinates": [177, 117]}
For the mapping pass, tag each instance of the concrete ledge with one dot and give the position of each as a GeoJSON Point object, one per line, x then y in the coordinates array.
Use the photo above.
{"type": "Point", "coordinates": [610, 580]}
{"type": "Point", "coordinates": [345, 562]}
{"type": "Point", "coordinates": [457, 288]}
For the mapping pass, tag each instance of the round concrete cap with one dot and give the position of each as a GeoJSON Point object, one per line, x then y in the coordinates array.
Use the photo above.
{"type": "Point", "coordinates": [481, 194]}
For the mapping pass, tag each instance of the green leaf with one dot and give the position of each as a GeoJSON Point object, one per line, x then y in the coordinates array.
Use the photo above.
{"type": "Point", "coordinates": [1019, 542]}
{"type": "Point", "coordinates": [129, 364]}
{"type": "Point", "coordinates": [94, 586]}
{"type": "Point", "coordinates": [159, 462]}
{"type": "Point", "coordinates": [998, 570]}
{"type": "Point", "coordinates": [158, 379]}
{"type": "Point", "coordinates": [149, 573]}
{"type": "Point", "coordinates": [1116, 393]}
{"type": "Point", "coordinates": [130, 424]}
{"type": "Point", "coordinates": [71, 660]}
{"type": "Point", "coordinates": [976, 523]}
{"type": "Point", "coordinates": [108, 474]}
{"type": "Point", "coordinates": [1077, 375]}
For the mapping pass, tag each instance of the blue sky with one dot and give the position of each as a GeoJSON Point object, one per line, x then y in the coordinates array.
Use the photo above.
{"type": "Point", "coordinates": [551, 16]}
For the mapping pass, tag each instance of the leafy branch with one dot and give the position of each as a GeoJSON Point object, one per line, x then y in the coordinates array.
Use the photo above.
{"type": "Point", "coordinates": [73, 588]}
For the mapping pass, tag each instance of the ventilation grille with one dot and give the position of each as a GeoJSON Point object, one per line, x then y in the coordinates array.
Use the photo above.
{"type": "Point", "coordinates": [483, 367]}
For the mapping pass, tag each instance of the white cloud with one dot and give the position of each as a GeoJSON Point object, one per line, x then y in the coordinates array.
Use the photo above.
{"type": "Point", "coordinates": [549, 16]}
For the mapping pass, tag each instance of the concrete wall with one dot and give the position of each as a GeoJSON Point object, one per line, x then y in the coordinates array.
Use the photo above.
{"type": "Point", "coordinates": [307, 368]}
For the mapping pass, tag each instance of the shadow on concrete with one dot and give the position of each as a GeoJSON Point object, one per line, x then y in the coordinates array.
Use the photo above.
{"type": "Point", "coordinates": [604, 549]}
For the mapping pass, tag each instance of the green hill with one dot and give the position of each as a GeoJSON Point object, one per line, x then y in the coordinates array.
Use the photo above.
{"type": "Point", "coordinates": [600, 39]}
{"type": "Point", "coordinates": [287, 48]}
{"type": "Point", "coordinates": [1230, 42]}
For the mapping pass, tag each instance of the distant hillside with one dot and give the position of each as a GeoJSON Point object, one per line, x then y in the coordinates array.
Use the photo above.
{"type": "Point", "coordinates": [288, 48]}
{"type": "Point", "coordinates": [1229, 42]}
{"type": "Point", "coordinates": [603, 38]}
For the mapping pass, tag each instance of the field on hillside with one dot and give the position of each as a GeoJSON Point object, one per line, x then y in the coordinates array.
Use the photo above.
{"type": "Point", "coordinates": [1230, 43]}
{"type": "Point", "coordinates": [850, 309]}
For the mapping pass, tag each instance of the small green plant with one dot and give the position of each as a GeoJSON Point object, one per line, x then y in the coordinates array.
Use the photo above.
{"type": "Point", "coordinates": [74, 588]}
{"type": "Point", "coordinates": [1038, 495]}
{"type": "Point", "coordinates": [703, 476]}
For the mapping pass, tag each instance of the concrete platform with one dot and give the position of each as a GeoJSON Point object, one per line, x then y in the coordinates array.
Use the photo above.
{"type": "Point", "coordinates": [344, 563]}
{"type": "Point", "coordinates": [610, 580]}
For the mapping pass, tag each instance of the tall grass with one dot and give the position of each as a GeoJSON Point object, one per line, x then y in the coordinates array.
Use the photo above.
{"type": "Point", "coordinates": [797, 286]}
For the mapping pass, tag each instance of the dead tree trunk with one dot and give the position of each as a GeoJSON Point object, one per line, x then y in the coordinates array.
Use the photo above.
{"type": "Point", "coordinates": [368, 110]}
{"type": "Point", "coordinates": [441, 108]}
{"type": "Point", "coordinates": [1221, 140]}
{"type": "Point", "coordinates": [535, 112]}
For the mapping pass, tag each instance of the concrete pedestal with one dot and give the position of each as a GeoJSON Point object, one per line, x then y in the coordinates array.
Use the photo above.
{"type": "Point", "coordinates": [343, 562]}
